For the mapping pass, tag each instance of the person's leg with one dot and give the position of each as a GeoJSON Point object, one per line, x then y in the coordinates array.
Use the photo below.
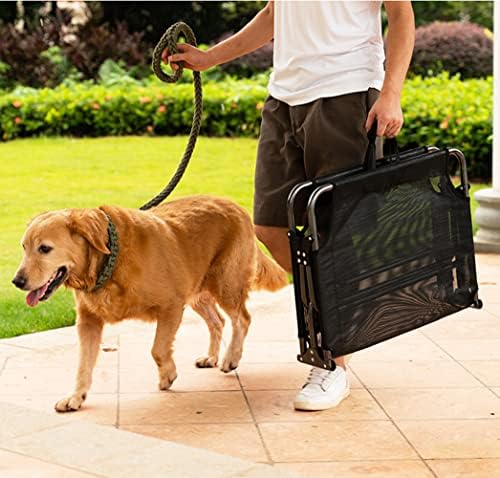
{"type": "Point", "coordinates": [333, 137]}
{"type": "Point", "coordinates": [282, 163]}
{"type": "Point", "coordinates": [276, 241]}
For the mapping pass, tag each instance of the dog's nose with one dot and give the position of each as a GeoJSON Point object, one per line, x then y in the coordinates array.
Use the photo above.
{"type": "Point", "coordinates": [19, 281]}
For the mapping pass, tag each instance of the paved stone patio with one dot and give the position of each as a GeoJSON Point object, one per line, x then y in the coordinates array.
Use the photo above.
{"type": "Point", "coordinates": [423, 405]}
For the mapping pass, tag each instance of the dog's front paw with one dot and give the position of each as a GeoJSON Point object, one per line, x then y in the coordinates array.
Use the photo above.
{"type": "Point", "coordinates": [71, 403]}
{"type": "Point", "coordinates": [166, 382]}
{"type": "Point", "coordinates": [229, 364]}
{"type": "Point", "coordinates": [206, 362]}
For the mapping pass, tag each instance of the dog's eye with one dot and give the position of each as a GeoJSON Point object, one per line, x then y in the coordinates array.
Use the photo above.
{"type": "Point", "coordinates": [43, 249]}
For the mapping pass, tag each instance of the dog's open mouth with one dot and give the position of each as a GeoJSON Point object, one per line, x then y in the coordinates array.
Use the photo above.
{"type": "Point", "coordinates": [44, 292]}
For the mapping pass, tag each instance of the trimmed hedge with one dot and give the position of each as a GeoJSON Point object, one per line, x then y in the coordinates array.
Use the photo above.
{"type": "Point", "coordinates": [231, 108]}
{"type": "Point", "coordinates": [446, 111]}
{"type": "Point", "coordinates": [441, 110]}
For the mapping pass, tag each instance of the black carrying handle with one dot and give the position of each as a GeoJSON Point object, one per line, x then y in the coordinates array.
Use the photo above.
{"type": "Point", "coordinates": [390, 148]}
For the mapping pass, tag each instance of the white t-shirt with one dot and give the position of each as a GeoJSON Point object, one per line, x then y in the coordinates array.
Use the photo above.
{"type": "Point", "coordinates": [326, 48]}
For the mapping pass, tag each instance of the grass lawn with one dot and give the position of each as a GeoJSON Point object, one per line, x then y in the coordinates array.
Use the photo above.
{"type": "Point", "coordinates": [44, 174]}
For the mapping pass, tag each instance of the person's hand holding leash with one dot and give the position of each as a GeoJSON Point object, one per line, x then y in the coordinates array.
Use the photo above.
{"type": "Point", "coordinates": [193, 58]}
{"type": "Point", "coordinates": [255, 34]}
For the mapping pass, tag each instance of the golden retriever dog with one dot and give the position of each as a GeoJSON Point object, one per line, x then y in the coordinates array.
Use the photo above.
{"type": "Point", "coordinates": [199, 251]}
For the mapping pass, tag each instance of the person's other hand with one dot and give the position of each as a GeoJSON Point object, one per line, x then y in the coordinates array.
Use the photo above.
{"type": "Point", "coordinates": [193, 58]}
{"type": "Point", "coordinates": [387, 111]}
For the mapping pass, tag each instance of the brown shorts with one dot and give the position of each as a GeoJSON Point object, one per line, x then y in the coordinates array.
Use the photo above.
{"type": "Point", "coordinates": [303, 142]}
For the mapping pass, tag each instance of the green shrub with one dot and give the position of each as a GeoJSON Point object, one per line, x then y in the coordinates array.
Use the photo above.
{"type": "Point", "coordinates": [84, 109]}
{"type": "Point", "coordinates": [446, 111]}
{"type": "Point", "coordinates": [456, 47]}
{"type": "Point", "coordinates": [440, 110]}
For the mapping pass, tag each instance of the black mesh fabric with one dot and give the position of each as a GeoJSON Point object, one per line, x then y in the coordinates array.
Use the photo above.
{"type": "Point", "coordinates": [395, 253]}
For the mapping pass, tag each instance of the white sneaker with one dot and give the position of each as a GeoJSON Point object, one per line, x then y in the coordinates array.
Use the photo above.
{"type": "Point", "coordinates": [323, 389]}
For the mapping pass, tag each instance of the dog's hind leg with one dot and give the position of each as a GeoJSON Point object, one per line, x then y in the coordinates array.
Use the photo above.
{"type": "Point", "coordinates": [89, 333]}
{"type": "Point", "coordinates": [240, 321]}
{"type": "Point", "coordinates": [206, 308]}
{"type": "Point", "coordinates": [166, 328]}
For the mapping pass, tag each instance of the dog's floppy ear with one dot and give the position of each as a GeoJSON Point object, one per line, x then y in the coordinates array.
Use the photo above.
{"type": "Point", "coordinates": [92, 225]}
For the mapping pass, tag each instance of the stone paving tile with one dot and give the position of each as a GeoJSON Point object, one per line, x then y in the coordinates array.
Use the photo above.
{"type": "Point", "coordinates": [414, 374]}
{"type": "Point", "coordinates": [488, 371]}
{"type": "Point", "coordinates": [439, 403]}
{"type": "Point", "coordinates": [479, 468]}
{"type": "Point", "coordinates": [468, 324]}
{"type": "Point", "coordinates": [442, 439]}
{"type": "Point", "coordinates": [41, 380]}
{"type": "Point", "coordinates": [71, 444]}
{"type": "Point", "coordinates": [189, 407]}
{"type": "Point", "coordinates": [236, 439]}
{"type": "Point", "coordinates": [277, 406]}
{"type": "Point", "coordinates": [472, 349]}
{"type": "Point", "coordinates": [99, 408]}
{"type": "Point", "coordinates": [269, 329]}
{"type": "Point", "coordinates": [488, 291]}
{"type": "Point", "coordinates": [57, 356]}
{"type": "Point", "coordinates": [7, 351]}
{"type": "Point", "coordinates": [3, 363]}
{"type": "Point", "coordinates": [76, 450]}
{"type": "Point", "coordinates": [339, 440]}
{"type": "Point", "coordinates": [139, 354]}
{"type": "Point", "coordinates": [189, 379]}
{"type": "Point", "coordinates": [411, 346]}
{"type": "Point", "coordinates": [41, 340]}
{"type": "Point", "coordinates": [16, 421]}
{"type": "Point", "coordinates": [116, 453]}
{"type": "Point", "coordinates": [270, 352]}
{"type": "Point", "coordinates": [137, 332]}
{"type": "Point", "coordinates": [493, 308]}
{"type": "Point", "coordinates": [185, 462]}
{"type": "Point", "coordinates": [360, 469]}
{"type": "Point", "coordinates": [279, 376]}
{"type": "Point", "coordinates": [14, 465]}
{"type": "Point", "coordinates": [484, 259]}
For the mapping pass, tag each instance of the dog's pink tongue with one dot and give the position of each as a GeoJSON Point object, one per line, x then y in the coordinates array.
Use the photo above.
{"type": "Point", "coordinates": [34, 296]}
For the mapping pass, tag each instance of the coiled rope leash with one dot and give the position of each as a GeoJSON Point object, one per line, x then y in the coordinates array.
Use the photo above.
{"type": "Point", "coordinates": [169, 41]}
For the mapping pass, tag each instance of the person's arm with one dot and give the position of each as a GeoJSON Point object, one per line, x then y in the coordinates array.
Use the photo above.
{"type": "Point", "coordinates": [255, 34]}
{"type": "Point", "coordinates": [400, 40]}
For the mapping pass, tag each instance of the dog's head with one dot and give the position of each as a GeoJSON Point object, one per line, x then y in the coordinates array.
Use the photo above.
{"type": "Point", "coordinates": [61, 247]}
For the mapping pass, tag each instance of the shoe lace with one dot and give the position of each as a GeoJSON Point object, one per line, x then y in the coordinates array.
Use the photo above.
{"type": "Point", "coordinates": [317, 376]}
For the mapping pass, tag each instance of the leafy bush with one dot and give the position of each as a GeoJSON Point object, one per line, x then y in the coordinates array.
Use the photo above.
{"type": "Point", "coordinates": [23, 54]}
{"type": "Point", "coordinates": [84, 109]}
{"type": "Point", "coordinates": [97, 43]}
{"type": "Point", "coordinates": [111, 73]}
{"type": "Point", "coordinates": [443, 111]}
{"type": "Point", "coordinates": [456, 47]}
{"type": "Point", "coordinates": [39, 57]}
{"type": "Point", "coordinates": [62, 68]}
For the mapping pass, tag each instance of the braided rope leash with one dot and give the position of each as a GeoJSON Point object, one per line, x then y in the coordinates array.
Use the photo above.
{"type": "Point", "coordinates": [110, 261]}
{"type": "Point", "coordinates": [169, 41]}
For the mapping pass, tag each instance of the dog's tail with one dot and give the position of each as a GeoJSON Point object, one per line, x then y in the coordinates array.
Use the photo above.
{"type": "Point", "coordinates": [269, 274]}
